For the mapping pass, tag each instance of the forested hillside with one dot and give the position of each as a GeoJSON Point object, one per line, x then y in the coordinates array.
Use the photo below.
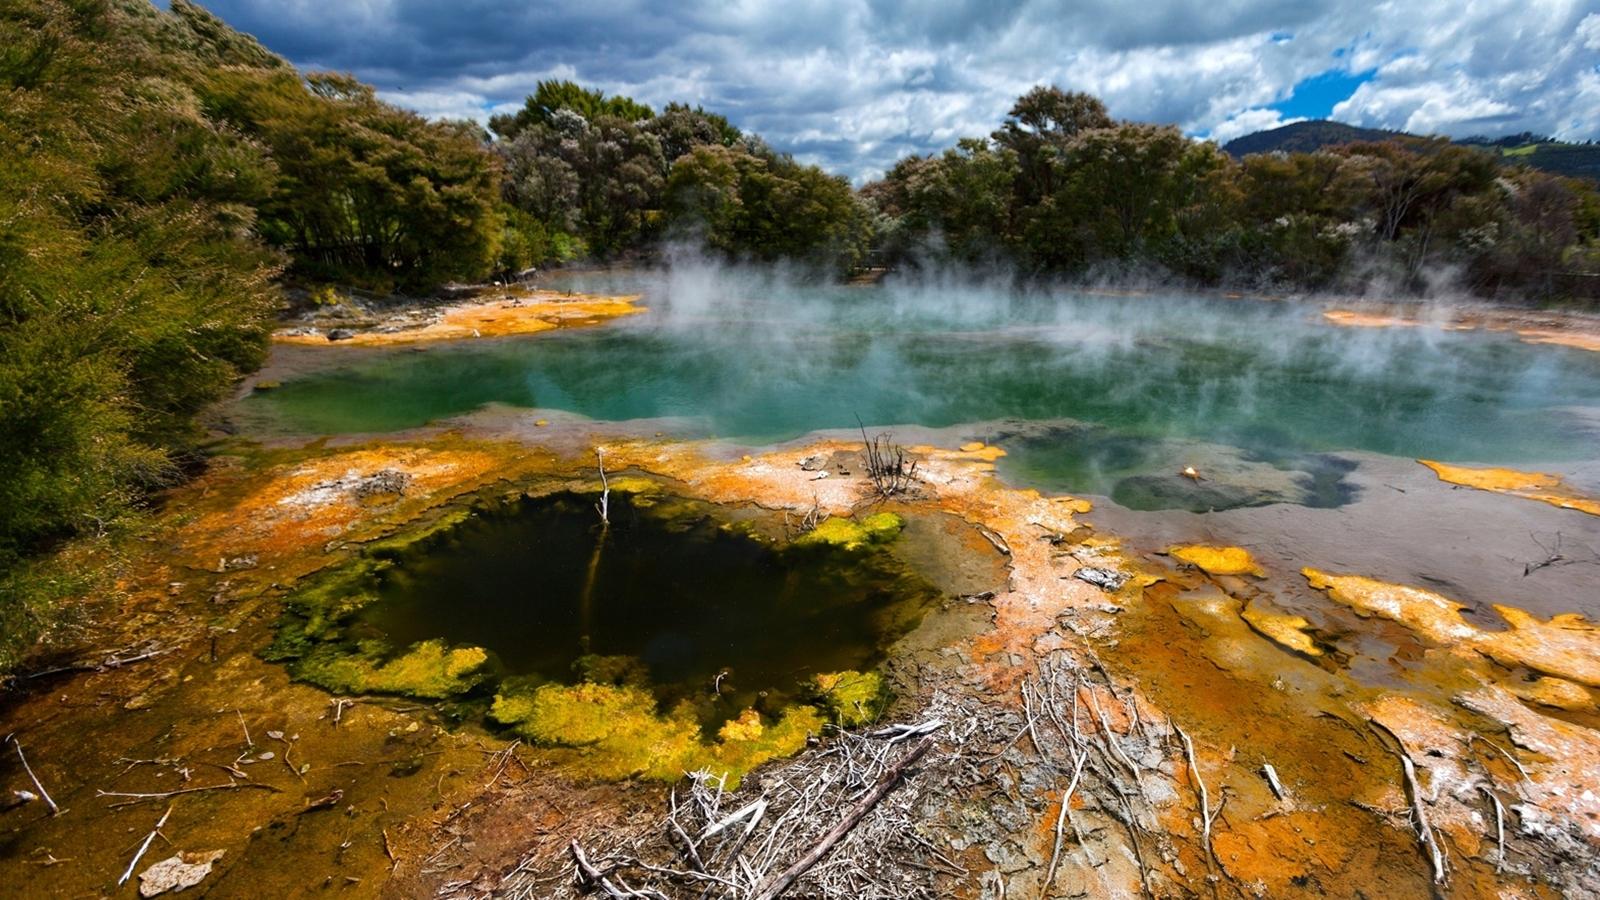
{"type": "Point", "coordinates": [1064, 189]}
{"type": "Point", "coordinates": [1535, 151]}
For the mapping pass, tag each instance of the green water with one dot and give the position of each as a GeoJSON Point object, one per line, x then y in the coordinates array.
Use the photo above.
{"type": "Point", "coordinates": [1085, 391]}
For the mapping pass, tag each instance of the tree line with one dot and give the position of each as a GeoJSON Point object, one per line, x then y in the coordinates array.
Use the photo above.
{"type": "Point", "coordinates": [1063, 189]}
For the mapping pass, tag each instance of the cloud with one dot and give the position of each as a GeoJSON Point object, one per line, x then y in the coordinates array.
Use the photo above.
{"type": "Point", "coordinates": [856, 84]}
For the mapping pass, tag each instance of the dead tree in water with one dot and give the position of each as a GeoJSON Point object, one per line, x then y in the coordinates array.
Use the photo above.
{"type": "Point", "coordinates": [890, 469]}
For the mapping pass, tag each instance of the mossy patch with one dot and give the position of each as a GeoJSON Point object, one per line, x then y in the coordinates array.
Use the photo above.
{"type": "Point", "coordinates": [428, 670]}
{"type": "Point", "coordinates": [853, 698]}
{"type": "Point", "coordinates": [616, 731]}
{"type": "Point", "coordinates": [852, 533]}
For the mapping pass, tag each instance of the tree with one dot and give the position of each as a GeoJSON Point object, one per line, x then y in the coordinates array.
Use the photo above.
{"type": "Point", "coordinates": [549, 97]}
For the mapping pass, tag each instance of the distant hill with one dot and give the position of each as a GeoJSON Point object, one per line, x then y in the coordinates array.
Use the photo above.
{"type": "Point", "coordinates": [1573, 160]}
{"type": "Point", "coordinates": [1306, 137]}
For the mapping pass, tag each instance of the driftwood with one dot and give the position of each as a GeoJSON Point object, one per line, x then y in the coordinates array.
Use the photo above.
{"type": "Point", "coordinates": [786, 879]}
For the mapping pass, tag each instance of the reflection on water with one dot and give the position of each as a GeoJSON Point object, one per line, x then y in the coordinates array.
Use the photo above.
{"type": "Point", "coordinates": [674, 590]}
{"type": "Point", "coordinates": [1244, 385]}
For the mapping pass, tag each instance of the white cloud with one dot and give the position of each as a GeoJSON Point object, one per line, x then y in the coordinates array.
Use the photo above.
{"type": "Point", "coordinates": [856, 84]}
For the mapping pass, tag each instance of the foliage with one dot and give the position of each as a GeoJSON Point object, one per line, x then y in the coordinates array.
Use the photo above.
{"type": "Point", "coordinates": [132, 291]}
{"type": "Point", "coordinates": [551, 97]}
{"type": "Point", "coordinates": [1060, 188]}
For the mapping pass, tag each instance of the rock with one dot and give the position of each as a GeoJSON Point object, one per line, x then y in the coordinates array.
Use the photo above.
{"type": "Point", "coordinates": [384, 481]}
{"type": "Point", "coordinates": [182, 870]}
{"type": "Point", "coordinates": [814, 463]}
{"type": "Point", "coordinates": [1104, 579]}
{"type": "Point", "coordinates": [341, 334]}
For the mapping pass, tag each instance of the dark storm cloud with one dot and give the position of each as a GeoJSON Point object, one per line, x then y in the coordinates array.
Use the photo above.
{"type": "Point", "coordinates": [854, 84]}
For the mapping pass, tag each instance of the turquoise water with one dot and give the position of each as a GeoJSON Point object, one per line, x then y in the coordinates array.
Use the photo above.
{"type": "Point", "coordinates": [1086, 391]}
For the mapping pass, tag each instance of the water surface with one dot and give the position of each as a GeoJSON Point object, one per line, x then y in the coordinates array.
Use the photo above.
{"type": "Point", "coordinates": [1099, 394]}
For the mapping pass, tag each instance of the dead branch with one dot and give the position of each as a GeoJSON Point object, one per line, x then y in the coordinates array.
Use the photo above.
{"type": "Point", "coordinates": [604, 506]}
{"type": "Point", "coordinates": [1419, 812]}
{"type": "Point", "coordinates": [144, 847]}
{"type": "Point", "coordinates": [592, 878]}
{"type": "Point", "coordinates": [777, 886]}
{"type": "Point", "coordinates": [890, 469]}
{"type": "Point", "coordinates": [43, 794]}
{"type": "Point", "coordinates": [1273, 782]}
{"type": "Point", "coordinates": [162, 795]}
{"type": "Point", "coordinates": [1200, 788]}
{"type": "Point", "coordinates": [1499, 828]}
{"type": "Point", "coordinates": [1078, 759]}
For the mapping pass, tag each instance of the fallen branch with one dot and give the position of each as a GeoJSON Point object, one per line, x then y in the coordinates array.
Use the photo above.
{"type": "Point", "coordinates": [43, 794]}
{"type": "Point", "coordinates": [591, 877]}
{"type": "Point", "coordinates": [1273, 782]}
{"type": "Point", "coordinates": [163, 795]}
{"type": "Point", "coordinates": [144, 847]}
{"type": "Point", "coordinates": [1200, 787]}
{"type": "Point", "coordinates": [775, 887]}
{"type": "Point", "coordinates": [1499, 828]}
{"type": "Point", "coordinates": [1419, 813]}
{"type": "Point", "coordinates": [604, 506]}
{"type": "Point", "coordinates": [1078, 759]}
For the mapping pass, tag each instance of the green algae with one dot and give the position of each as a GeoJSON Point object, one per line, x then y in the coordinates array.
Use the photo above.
{"type": "Point", "coordinates": [427, 670]}
{"type": "Point", "coordinates": [612, 732]}
{"type": "Point", "coordinates": [853, 698]}
{"type": "Point", "coordinates": [853, 534]}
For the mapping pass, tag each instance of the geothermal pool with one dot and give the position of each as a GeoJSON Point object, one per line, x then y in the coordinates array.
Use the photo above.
{"type": "Point", "coordinates": [1101, 394]}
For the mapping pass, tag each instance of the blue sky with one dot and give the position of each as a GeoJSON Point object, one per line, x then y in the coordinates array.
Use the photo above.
{"type": "Point", "coordinates": [856, 84]}
{"type": "Point", "coordinates": [1315, 97]}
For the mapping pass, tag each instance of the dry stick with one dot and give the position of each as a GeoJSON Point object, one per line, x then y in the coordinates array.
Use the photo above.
{"type": "Point", "coordinates": [1078, 759]}
{"type": "Point", "coordinates": [1425, 835]}
{"type": "Point", "coordinates": [1499, 828]}
{"type": "Point", "coordinates": [1200, 786]}
{"type": "Point", "coordinates": [230, 786]}
{"type": "Point", "coordinates": [604, 506]}
{"type": "Point", "coordinates": [589, 875]}
{"type": "Point", "coordinates": [1273, 782]}
{"type": "Point", "coordinates": [248, 742]}
{"type": "Point", "coordinates": [54, 809]}
{"type": "Point", "coordinates": [775, 887]}
{"type": "Point", "coordinates": [143, 847]}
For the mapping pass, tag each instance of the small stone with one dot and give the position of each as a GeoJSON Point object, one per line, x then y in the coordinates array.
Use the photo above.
{"type": "Point", "coordinates": [264, 756]}
{"type": "Point", "coordinates": [1104, 579]}
{"type": "Point", "coordinates": [182, 870]}
{"type": "Point", "coordinates": [341, 334]}
{"type": "Point", "coordinates": [275, 735]}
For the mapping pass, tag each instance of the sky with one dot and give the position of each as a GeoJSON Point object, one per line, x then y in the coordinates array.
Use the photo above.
{"type": "Point", "coordinates": [854, 85]}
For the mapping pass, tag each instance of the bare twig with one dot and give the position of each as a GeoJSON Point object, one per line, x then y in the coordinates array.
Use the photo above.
{"type": "Point", "coordinates": [43, 794]}
{"type": "Point", "coordinates": [162, 795]}
{"type": "Point", "coordinates": [1200, 788]}
{"type": "Point", "coordinates": [604, 506]}
{"type": "Point", "coordinates": [775, 887]}
{"type": "Point", "coordinates": [1078, 759]}
{"type": "Point", "coordinates": [1273, 782]}
{"type": "Point", "coordinates": [1419, 812]}
{"type": "Point", "coordinates": [890, 469]}
{"type": "Point", "coordinates": [1499, 827]}
{"type": "Point", "coordinates": [144, 847]}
